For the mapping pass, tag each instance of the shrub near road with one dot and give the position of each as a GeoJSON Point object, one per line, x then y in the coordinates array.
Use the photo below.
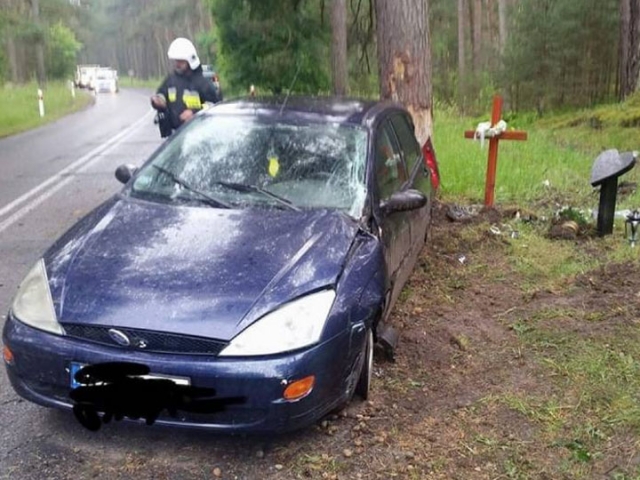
{"type": "Point", "coordinates": [20, 105]}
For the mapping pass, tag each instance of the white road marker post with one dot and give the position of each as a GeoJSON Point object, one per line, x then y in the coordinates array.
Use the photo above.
{"type": "Point", "coordinates": [73, 89]}
{"type": "Point", "coordinates": [41, 102]}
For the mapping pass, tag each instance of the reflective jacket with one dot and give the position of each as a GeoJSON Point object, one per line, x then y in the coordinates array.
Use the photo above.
{"type": "Point", "coordinates": [187, 91]}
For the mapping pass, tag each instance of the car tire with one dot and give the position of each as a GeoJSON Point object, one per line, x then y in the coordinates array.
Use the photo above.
{"type": "Point", "coordinates": [364, 381]}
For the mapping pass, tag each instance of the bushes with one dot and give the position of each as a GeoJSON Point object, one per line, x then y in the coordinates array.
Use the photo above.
{"type": "Point", "coordinates": [62, 48]}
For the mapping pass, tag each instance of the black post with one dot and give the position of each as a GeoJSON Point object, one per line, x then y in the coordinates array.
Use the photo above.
{"type": "Point", "coordinates": [606, 170]}
{"type": "Point", "coordinates": [607, 207]}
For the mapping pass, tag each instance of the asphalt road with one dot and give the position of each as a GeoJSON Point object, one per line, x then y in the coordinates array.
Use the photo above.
{"type": "Point", "coordinates": [50, 177]}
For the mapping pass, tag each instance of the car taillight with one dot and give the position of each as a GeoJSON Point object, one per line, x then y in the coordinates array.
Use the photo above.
{"type": "Point", "coordinates": [431, 163]}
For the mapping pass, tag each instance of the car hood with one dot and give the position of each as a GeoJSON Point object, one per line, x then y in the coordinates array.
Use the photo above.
{"type": "Point", "coordinates": [194, 271]}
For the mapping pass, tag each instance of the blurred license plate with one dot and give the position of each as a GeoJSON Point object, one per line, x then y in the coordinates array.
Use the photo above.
{"type": "Point", "coordinates": [74, 367]}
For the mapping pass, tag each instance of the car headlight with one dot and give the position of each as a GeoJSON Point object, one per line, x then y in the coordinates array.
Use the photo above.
{"type": "Point", "coordinates": [33, 304]}
{"type": "Point", "coordinates": [295, 325]}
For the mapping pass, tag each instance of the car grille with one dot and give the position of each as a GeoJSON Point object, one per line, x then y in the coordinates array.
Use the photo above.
{"type": "Point", "coordinates": [147, 340]}
{"type": "Point", "coordinates": [230, 416]}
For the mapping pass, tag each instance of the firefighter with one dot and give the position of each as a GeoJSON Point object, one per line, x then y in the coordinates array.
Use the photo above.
{"type": "Point", "coordinates": [184, 91]}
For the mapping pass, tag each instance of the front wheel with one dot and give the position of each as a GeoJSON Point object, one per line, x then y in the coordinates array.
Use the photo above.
{"type": "Point", "coordinates": [364, 381]}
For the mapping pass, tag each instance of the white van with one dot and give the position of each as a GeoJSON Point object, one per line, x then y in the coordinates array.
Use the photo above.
{"type": "Point", "coordinates": [106, 80]}
{"type": "Point", "coordinates": [84, 75]}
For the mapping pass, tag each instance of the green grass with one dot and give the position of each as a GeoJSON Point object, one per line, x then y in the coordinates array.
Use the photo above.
{"type": "Point", "coordinates": [547, 264]}
{"type": "Point", "coordinates": [591, 397]}
{"type": "Point", "coordinates": [586, 353]}
{"type": "Point", "coordinates": [552, 168]}
{"type": "Point", "coordinates": [20, 105]}
{"type": "Point", "coordinates": [600, 119]}
{"type": "Point", "coordinates": [523, 167]}
{"type": "Point", "coordinates": [598, 375]}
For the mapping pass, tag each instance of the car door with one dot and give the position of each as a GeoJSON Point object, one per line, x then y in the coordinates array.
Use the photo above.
{"type": "Point", "coordinates": [419, 178]}
{"type": "Point", "coordinates": [390, 176]}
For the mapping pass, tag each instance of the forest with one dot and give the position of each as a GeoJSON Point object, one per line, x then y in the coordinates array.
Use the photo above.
{"type": "Point", "coordinates": [542, 55]}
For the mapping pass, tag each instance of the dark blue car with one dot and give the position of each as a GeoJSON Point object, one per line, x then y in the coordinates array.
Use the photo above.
{"type": "Point", "coordinates": [257, 254]}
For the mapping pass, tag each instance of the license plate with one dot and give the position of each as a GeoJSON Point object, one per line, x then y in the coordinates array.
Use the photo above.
{"type": "Point", "coordinates": [74, 367]}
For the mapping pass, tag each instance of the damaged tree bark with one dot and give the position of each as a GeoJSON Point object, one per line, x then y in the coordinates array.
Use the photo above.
{"type": "Point", "coordinates": [404, 59]}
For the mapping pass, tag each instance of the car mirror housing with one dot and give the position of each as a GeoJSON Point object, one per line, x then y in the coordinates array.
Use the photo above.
{"type": "Point", "coordinates": [125, 172]}
{"type": "Point", "coordinates": [403, 201]}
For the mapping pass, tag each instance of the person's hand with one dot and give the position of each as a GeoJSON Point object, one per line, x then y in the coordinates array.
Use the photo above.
{"type": "Point", "coordinates": [158, 101]}
{"type": "Point", "coordinates": [186, 116]}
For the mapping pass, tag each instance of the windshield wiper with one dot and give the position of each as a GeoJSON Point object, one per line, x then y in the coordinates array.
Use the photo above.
{"type": "Point", "coordinates": [241, 187]}
{"type": "Point", "coordinates": [205, 196]}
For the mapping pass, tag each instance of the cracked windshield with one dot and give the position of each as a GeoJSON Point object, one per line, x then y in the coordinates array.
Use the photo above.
{"type": "Point", "coordinates": [247, 162]}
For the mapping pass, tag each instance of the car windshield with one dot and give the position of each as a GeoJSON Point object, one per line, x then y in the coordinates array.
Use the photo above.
{"type": "Point", "coordinates": [243, 161]}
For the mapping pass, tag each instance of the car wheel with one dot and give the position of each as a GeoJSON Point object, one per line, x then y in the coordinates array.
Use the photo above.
{"type": "Point", "coordinates": [364, 382]}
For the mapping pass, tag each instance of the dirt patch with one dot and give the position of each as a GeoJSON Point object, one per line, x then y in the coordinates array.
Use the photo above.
{"type": "Point", "coordinates": [453, 399]}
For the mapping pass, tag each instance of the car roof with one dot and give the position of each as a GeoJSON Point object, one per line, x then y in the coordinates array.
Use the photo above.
{"type": "Point", "coordinates": [346, 110]}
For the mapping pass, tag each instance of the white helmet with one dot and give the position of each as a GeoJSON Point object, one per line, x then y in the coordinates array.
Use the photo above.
{"type": "Point", "coordinates": [183, 49]}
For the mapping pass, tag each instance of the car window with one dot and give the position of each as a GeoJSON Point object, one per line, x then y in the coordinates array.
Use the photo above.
{"type": "Point", "coordinates": [408, 143]}
{"type": "Point", "coordinates": [390, 169]}
{"type": "Point", "coordinates": [312, 165]}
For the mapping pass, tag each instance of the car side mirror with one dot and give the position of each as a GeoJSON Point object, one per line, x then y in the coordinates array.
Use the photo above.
{"type": "Point", "coordinates": [403, 201]}
{"type": "Point", "coordinates": [125, 172]}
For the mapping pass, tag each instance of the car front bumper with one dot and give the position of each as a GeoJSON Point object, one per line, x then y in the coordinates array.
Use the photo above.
{"type": "Point", "coordinates": [41, 373]}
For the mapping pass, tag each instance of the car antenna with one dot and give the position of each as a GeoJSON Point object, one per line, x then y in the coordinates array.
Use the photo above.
{"type": "Point", "coordinates": [295, 77]}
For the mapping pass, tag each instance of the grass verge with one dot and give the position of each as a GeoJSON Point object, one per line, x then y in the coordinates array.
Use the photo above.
{"type": "Point", "coordinates": [550, 170]}
{"type": "Point", "coordinates": [20, 111]}
{"type": "Point", "coordinates": [568, 393]}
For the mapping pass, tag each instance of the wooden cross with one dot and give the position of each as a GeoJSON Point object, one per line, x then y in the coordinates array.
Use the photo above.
{"type": "Point", "coordinates": [492, 165]}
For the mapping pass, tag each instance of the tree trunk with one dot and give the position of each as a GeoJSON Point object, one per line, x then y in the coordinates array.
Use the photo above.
{"type": "Point", "coordinates": [13, 59]}
{"type": "Point", "coordinates": [629, 50]}
{"type": "Point", "coordinates": [204, 15]}
{"type": "Point", "coordinates": [502, 30]}
{"type": "Point", "coordinates": [339, 69]}
{"type": "Point", "coordinates": [404, 58]}
{"type": "Point", "coordinates": [477, 36]}
{"type": "Point", "coordinates": [39, 46]}
{"type": "Point", "coordinates": [461, 55]}
{"type": "Point", "coordinates": [160, 55]}
{"type": "Point", "coordinates": [502, 24]}
{"type": "Point", "coordinates": [136, 62]}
